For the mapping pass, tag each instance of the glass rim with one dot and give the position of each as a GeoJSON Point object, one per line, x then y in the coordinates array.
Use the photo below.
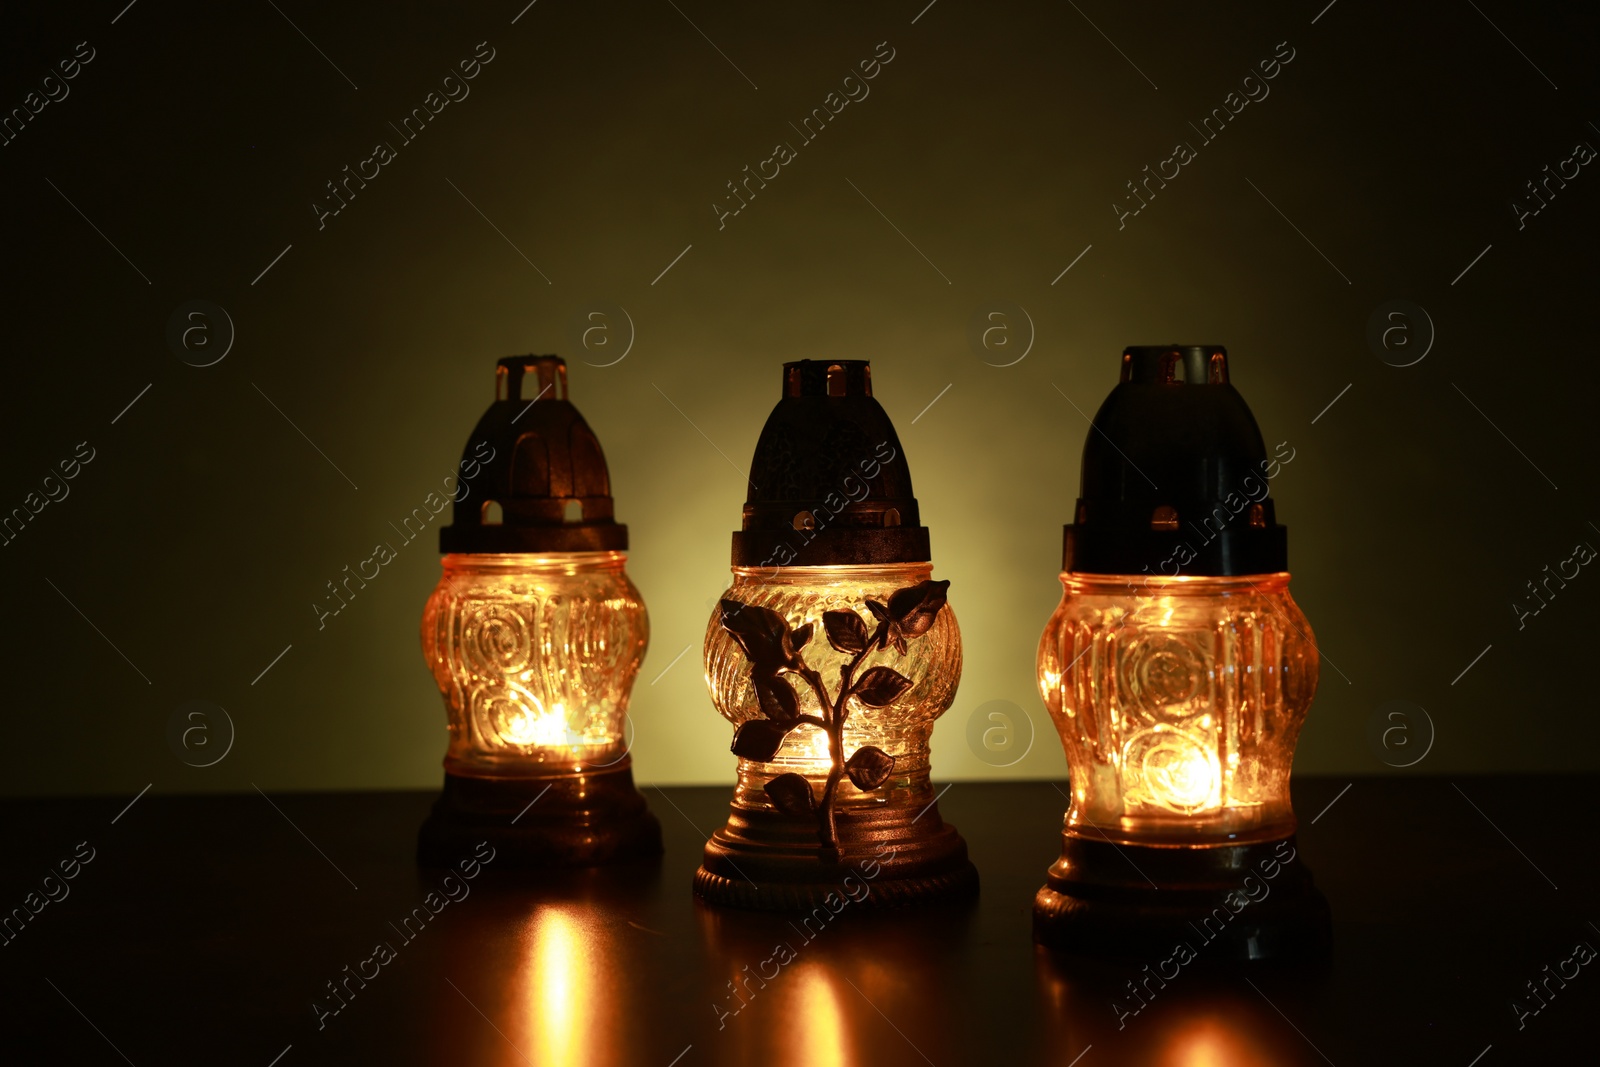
{"type": "Point", "coordinates": [1160, 584]}
{"type": "Point", "coordinates": [832, 570]}
{"type": "Point", "coordinates": [529, 559]}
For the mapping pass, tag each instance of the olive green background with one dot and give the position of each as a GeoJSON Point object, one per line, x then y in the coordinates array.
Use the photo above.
{"type": "Point", "coordinates": [597, 141]}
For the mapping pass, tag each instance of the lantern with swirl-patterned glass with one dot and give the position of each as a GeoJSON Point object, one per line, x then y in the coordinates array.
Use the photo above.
{"type": "Point", "coordinates": [1178, 670]}
{"type": "Point", "coordinates": [534, 635]}
{"type": "Point", "coordinates": [832, 653]}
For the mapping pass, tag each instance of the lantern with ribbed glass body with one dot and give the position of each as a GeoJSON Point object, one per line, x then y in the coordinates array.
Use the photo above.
{"type": "Point", "coordinates": [1178, 670]}
{"type": "Point", "coordinates": [534, 635]}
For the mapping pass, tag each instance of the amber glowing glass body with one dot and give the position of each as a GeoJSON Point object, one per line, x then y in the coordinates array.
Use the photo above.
{"type": "Point", "coordinates": [801, 595]}
{"type": "Point", "coordinates": [1179, 701]}
{"type": "Point", "coordinates": [536, 656]}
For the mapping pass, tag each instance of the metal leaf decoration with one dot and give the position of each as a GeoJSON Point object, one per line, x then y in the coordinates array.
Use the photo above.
{"type": "Point", "coordinates": [869, 767]}
{"type": "Point", "coordinates": [797, 640]}
{"type": "Point", "coordinates": [775, 651]}
{"type": "Point", "coordinates": [761, 632]}
{"type": "Point", "coordinates": [759, 739]}
{"type": "Point", "coordinates": [881, 686]}
{"type": "Point", "coordinates": [913, 609]}
{"type": "Point", "coordinates": [846, 632]}
{"type": "Point", "coordinates": [778, 700]}
{"type": "Point", "coordinates": [791, 794]}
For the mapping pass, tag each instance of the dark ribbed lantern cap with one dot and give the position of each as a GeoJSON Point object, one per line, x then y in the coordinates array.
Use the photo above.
{"type": "Point", "coordinates": [1175, 474]}
{"type": "Point", "coordinates": [829, 482]}
{"type": "Point", "coordinates": [534, 456]}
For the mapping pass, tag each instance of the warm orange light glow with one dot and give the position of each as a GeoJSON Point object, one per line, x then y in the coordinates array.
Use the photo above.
{"type": "Point", "coordinates": [1179, 701]}
{"type": "Point", "coordinates": [820, 1018]}
{"type": "Point", "coordinates": [815, 750]}
{"type": "Point", "coordinates": [1174, 771]}
{"type": "Point", "coordinates": [535, 656]}
{"type": "Point", "coordinates": [563, 1009]}
{"type": "Point", "coordinates": [539, 727]}
{"type": "Point", "coordinates": [1211, 1042]}
{"type": "Point", "coordinates": [557, 972]}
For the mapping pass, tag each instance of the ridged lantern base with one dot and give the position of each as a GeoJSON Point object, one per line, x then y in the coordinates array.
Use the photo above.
{"type": "Point", "coordinates": [887, 857]}
{"type": "Point", "coordinates": [573, 820]}
{"type": "Point", "coordinates": [1230, 902]}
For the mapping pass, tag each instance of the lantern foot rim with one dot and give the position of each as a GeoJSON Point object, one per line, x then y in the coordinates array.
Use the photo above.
{"type": "Point", "coordinates": [1226, 903]}
{"type": "Point", "coordinates": [887, 857]}
{"type": "Point", "coordinates": [586, 819]}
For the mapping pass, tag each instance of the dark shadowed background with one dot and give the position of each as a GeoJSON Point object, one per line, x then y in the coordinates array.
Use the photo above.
{"type": "Point", "coordinates": [583, 171]}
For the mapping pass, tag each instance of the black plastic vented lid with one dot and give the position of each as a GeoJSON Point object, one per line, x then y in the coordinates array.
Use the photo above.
{"type": "Point", "coordinates": [1175, 474]}
{"type": "Point", "coordinates": [534, 461]}
{"type": "Point", "coordinates": [829, 482]}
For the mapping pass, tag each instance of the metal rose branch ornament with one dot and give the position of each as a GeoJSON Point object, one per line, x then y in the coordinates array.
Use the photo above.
{"type": "Point", "coordinates": [832, 653]}
{"type": "Point", "coordinates": [775, 651]}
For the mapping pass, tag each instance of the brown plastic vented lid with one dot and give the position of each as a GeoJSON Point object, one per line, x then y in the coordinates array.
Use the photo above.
{"type": "Point", "coordinates": [533, 464]}
{"type": "Point", "coordinates": [829, 482]}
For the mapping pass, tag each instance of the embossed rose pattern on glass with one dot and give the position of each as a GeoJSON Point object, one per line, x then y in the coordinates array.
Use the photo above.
{"type": "Point", "coordinates": [536, 656]}
{"type": "Point", "coordinates": [1179, 701]}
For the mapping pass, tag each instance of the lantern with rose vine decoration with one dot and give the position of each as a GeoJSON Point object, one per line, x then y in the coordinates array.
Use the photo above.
{"type": "Point", "coordinates": [832, 653]}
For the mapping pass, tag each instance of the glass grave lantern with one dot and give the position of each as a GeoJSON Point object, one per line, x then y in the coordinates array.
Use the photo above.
{"type": "Point", "coordinates": [832, 653]}
{"type": "Point", "coordinates": [534, 635]}
{"type": "Point", "coordinates": [1178, 671]}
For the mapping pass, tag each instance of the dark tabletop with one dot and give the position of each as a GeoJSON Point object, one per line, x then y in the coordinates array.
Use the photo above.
{"type": "Point", "coordinates": [205, 929]}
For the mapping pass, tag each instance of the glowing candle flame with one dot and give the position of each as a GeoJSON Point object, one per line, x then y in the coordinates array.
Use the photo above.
{"type": "Point", "coordinates": [816, 747]}
{"type": "Point", "coordinates": [1172, 770]}
{"type": "Point", "coordinates": [541, 727]}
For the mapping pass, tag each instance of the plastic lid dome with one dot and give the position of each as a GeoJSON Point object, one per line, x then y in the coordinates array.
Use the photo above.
{"type": "Point", "coordinates": [829, 482]}
{"type": "Point", "coordinates": [538, 480]}
{"type": "Point", "coordinates": [1175, 474]}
